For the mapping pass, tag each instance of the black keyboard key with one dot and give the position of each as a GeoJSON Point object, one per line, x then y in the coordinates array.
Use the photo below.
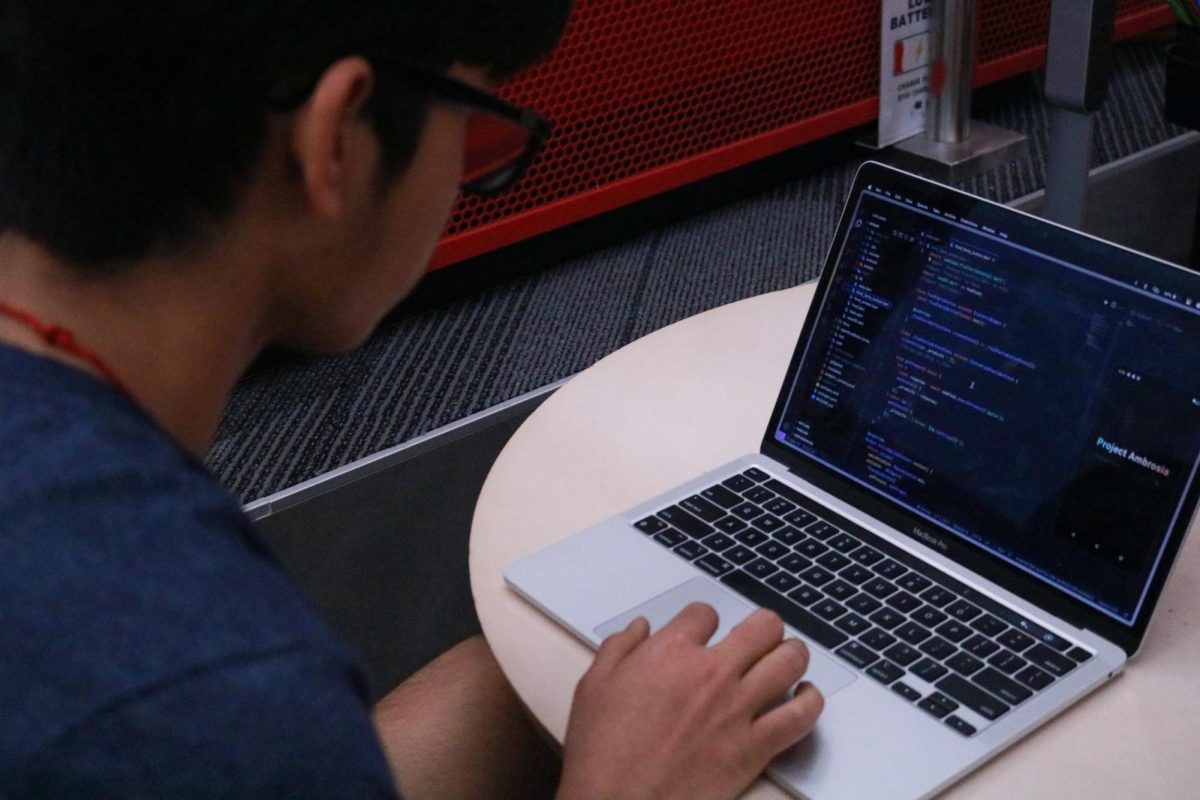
{"type": "Point", "coordinates": [1035, 678]}
{"type": "Point", "coordinates": [709, 512]}
{"type": "Point", "coordinates": [730, 525]}
{"type": "Point", "coordinates": [1006, 689]}
{"type": "Point", "coordinates": [1019, 622]}
{"type": "Point", "coordinates": [1014, 640]}
{"type": "Point", "coordinates": [934, 707]}
{"type": "Point", "coordinates": [799, 518]}
{"type": "Point", "coordinates": [878, 587]}
{"type": "Point", "coordinates": [937, 647]}
{"type": "Point", "coordinates": [1078, 655]}
{"type": "Point", "coordinates": [980, 646]}
{"type": "Point", "coordinates": [751, 537]}
{"type": "Point", "coordinates": [960, 725]}
{"type": "Point", "coordinates": [1030, 627]}
{"type": "Point", "coordinates": [737, 483]}
{"type": "Point", "coordinates": [739, 554]}
{"type": "Point", "coordinates": [821, 529]}
{"type": "Point", "coordinates": [839, 590]}
{"type": "Point", "coordinates": [717, 542]}
{"type": "Point", "coordinates": [929, 616]}
{"type": "Point", "coordinates": [852, 624]}
{"type": "Point", "coordinates": [890, 569]}
{"type": "Point", "coordinates": [915, 583]}
{"type": "Point", "coordinates": [937, 596]}
{"type": "Point", "coordinates": [877, 639]}
{"type": "Point", "coordinates": [1053, 640]}
{"type": "Point", "coordinates": [863, 603]}
{"type": "Point", "coordinates": [971, 696]}
{"type": "Point", "coordinates": [907, 692]}
{"type": "Point", "coordinates": [912, 633]}
{"type": "Point", "coordinates": [964, 663]}
{"type": "Point", "coordinates": [714, 565]}
{"type": "Point", "coordinates": [772, 550]}
{"type": "Point", "coordinates": [746, 511]}
{"type": "Point", "coordinates": [794, 563]}
{"type": "Point", "coordinates": [833, 561]}
{"type": "Point", "coordinates": [1007, 662]}
{"type": "Point", "coordinates": [857, 573]}
{"type": "Point", "coordinates": [691, 550]}
{"type": "Point", "coordinates": [928, 670]}
{"type": "Point", "coordinates": [783, 582]}
{"type": "Point", "coordinates": [844, 543]}
{"type": "Point", "coordinates": [761, 568]}
{"type": "Point", "coordinates": [988, 625]}
{"type": "Point", "coordinates": [811, 548]}
{"type": "Point", "coordinates": [867, 555]}
{"type": "Point", "coordinates": [963, 611]}
{"type": "Point", "coordinates": [721, 496]}
{"type": "Point", "coordinates": [1055, 663]}
{"type": "Point", "coordinates": [756, 474]}
{"type": "Point", "coordinates": [806, 595]}
{"type": "Point", "coordinates": [767, 523]}
{"type": "Point", "coordinates": [779, 506]}
{"type": "Point", "coordinates": [758, 495]}
{"type": "Point", "coordinates": [953, 630]}
{"type": "Point", "coordinates": [650, 525]}
{"type": "Point", "coordinates": [903, 602]}
{"type": "Point", "coordinates": [829, 610]}
{"type": "Point", "coordinates": [784, 490]}
{"type": "Point", "coordinates": [692, 526]}
{"type": "Point", "coordinates": [670, 537]}
{"type": "Point", "coordinates": [885, 672]}
{"type": "Point", "coordinates": [816, 576]}
{"type": "Point", "coordinates": [887, 618]}
{"type": "Point", "coordinates": [788, 535]}
{"type": "Point", "coordinates": [902, 653]}
{"type": "Point", "coordinates": [858, 654]}
{"type": "Point", "coordinates": [794, 615]}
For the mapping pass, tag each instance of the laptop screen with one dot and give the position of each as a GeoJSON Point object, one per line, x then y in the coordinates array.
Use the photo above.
{"type": "Point", "coordinates": [1031, 392]}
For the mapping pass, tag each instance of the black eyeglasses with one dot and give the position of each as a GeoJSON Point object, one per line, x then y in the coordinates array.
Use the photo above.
{"type": "Point", "coordinates": [502, 138]}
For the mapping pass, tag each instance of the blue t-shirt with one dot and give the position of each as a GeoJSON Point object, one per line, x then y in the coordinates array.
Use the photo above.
{"type": "Point", "coordinates": [150, 645]}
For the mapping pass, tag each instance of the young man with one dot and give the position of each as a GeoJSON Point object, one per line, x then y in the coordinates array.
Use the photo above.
{"type": "Point", "coordinates": [182, 184]}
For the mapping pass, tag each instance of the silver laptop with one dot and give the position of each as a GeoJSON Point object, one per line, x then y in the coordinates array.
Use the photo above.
{"type": "Point", "coordinates": [978, 473]}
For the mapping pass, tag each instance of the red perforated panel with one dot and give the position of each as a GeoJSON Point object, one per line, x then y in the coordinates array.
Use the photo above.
{"type": "Point", "coordinates": [647, 95]}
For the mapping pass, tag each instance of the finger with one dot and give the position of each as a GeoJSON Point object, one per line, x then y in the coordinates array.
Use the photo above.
{"type": "Point", "coordinates": [696, 622]}
{"type": "Point", "coordinates": [617, 646]}
{"type": "Point", "coordinates": [774, 673]}
{"type": "Point", "coordinates": [785, 725]}
{"type": "Point", "coordinates": [754, 637]}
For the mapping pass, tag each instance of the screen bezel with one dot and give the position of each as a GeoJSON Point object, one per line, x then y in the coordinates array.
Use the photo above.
{"type": "Point", "coordinates": [1071, 609]}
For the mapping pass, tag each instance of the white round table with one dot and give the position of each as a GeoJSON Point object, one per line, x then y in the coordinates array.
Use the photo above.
{"type": "Point", "coordinates": [697, 394]}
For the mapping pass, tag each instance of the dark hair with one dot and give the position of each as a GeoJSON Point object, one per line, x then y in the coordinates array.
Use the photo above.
{"type": "Point", "coordinates": [130, 126]}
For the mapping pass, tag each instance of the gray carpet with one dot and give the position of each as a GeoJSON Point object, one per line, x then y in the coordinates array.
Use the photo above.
{"type": "Point", "coordinates": [297, 420]}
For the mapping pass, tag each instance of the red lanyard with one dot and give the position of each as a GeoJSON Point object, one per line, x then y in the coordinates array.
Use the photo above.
{"type": "Point", "coordinates": [62, 339]}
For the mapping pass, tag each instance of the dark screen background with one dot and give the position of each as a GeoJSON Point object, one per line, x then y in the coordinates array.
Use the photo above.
{"type": "Point", "coordinates": [1044, 413]}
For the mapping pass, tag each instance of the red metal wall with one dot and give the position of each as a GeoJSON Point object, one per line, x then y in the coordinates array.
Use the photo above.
{"type": "Point", "coordinates": [648, 95]}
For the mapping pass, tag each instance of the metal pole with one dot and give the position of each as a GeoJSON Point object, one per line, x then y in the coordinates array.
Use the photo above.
{"type": "Point", "coordinates": [952, 147]}
{"type": "Point", "coordinates": [952, 42]}
{"type": "Point", "coordinates": [1068, 164]}
{"type": "Point", "coordinates": [1078, 66]}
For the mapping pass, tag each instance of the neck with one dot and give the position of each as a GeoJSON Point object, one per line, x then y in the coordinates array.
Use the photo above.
{"type": "Point", "coordinates": [178, 334]}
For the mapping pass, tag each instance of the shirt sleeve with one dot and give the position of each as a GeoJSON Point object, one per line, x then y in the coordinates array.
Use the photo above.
{"type": "Point", "coordinates": [286, 725]}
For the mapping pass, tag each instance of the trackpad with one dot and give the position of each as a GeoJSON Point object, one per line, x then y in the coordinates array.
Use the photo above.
{"type": "Point", "coordinates": [823, 671]}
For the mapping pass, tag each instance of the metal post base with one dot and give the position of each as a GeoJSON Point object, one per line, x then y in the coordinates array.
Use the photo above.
{"type": "Point", "coordinates": [988, 146]}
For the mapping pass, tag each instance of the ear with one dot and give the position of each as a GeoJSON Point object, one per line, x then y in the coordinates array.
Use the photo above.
{"type": "Point", "coordinates": [329, 138]}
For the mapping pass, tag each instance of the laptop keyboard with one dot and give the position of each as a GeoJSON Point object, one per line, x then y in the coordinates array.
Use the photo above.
{"type": "Point", "coordinates": [956, 654]}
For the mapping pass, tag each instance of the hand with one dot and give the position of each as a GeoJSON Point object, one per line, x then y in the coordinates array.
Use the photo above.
{"type": "Point", "coordinates": [664, 716]}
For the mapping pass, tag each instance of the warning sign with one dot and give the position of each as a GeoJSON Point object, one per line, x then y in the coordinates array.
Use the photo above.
{"type": "Point", "coordinates": [904, 69]}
